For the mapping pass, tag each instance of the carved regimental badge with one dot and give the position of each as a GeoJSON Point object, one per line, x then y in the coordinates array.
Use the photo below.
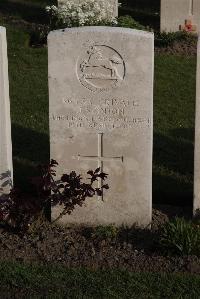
{"type": "Point", "coordinates": [100, 68]}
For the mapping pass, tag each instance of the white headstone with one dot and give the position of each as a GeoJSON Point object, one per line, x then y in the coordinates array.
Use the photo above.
{"type": "Point", "coordinates": [101, 108]}
{"type": "Point", "coordinates": [6, 168]}
{"type": "Point", "coordinates": [196, 14]}
{"type": "Point", "coordinates": [113, 3]}
{"type": "Point", "coordinates": [196, 204]}
{"type": "Point", "coordinates": [180, 15]}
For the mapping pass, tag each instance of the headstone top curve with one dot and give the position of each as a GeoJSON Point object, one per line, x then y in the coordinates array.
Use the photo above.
{"type": "Point", "coordinates": [100, 29]}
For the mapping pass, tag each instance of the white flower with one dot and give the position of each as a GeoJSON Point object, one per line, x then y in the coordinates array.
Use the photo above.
{"type": "Point", "coordinates": [89, 12]}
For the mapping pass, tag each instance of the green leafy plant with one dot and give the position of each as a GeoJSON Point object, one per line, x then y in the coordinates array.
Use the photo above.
{"type": "Point", "coordinates": [129, 22]}
{"type": "Point", "coordinates": [164, 39]}
{"type": "Point", "coordinates": [105, 232]}
{"type": "Point", "coordinates": [180, 237]}
{"type": "Point", "coordinates": [38, 36]}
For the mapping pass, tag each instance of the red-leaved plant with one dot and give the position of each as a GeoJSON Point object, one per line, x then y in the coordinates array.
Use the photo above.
{"type": "Point", "coordinates": [68, 192]}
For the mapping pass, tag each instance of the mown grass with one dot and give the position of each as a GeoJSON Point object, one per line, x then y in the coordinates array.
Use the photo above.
{"type": "Point", "coordinates": [34, 281]}
{"type": "Point", "coordinates": [174, 109]}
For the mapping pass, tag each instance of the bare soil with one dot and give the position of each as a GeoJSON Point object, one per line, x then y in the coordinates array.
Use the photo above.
{"type": "Point", "coordinates": [132, 248]}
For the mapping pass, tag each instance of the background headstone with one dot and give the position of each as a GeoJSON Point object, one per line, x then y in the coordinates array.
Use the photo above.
{"type": "Point", "coordinates": [196, 11]}
{"type": "Point", "coordinates": [180, 15]}
{"type": "Point", "coordinates": [6, 169]}
{"type": "Point", "coordinates": [114, 4]}
{"type": "Point", "coordinates": [101, 106]}
{"type": "Point", "coordinates": [196, 205]}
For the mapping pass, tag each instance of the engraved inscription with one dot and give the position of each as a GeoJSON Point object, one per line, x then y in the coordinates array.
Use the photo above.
{"type": "Point", "coordinates": [100, 68]}
{"type": "Point", "coordinates": [105, 114]}
{"type": "Point", "coordinates": [102, 122]}
{"type": "Point", "coordinates": [132, 123]}
{"type": "Point", "coordinates": [117, 102]}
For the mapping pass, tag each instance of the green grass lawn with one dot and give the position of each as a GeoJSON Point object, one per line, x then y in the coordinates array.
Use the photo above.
{"type": "Point", "coordinates": [174, 110]}
{"type": "Point", "coordinates": [26, 281]}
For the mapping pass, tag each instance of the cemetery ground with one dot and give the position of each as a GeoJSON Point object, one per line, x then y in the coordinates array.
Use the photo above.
{"type": "Point", "coordinates": [102, 249]}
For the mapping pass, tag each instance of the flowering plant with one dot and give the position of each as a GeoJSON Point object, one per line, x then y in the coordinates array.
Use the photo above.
{"type": "Point", "coordinates": [89, 12]}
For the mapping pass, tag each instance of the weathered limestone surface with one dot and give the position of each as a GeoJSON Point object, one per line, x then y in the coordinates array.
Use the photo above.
{"type": "Point", "coordinates": [196, 10]}
{"type": "Point", "coordinates": [114, 4]}
{"type": "Point", "coordinates": [6, 168]}
{"type": "Point", "coordinates": [101, 114]}
{"type": "Point", "coordinates": [176, 14]}
{"type": "Point", "coordinates": [196, 205]}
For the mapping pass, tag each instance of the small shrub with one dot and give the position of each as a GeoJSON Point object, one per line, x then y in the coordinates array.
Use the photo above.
{"type": "Point", "coordinates": [105, 232]}
{"type": "Point", "coordinates": [38, 36]}
{"type": "Point", "coordinates": [67, 192]}
{"type": "Point", "coordinates": [129, 22]}
{"type": "Point", "coordinates": [180, 237]}
{"type": "Point", "coordinates": [163, 39]}
{"type": "Point", "coordinates": [18, 212]}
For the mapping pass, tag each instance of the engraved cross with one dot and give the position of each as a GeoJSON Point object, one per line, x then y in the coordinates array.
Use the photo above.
{"type": "Point", "coordinates": [100, 158]}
